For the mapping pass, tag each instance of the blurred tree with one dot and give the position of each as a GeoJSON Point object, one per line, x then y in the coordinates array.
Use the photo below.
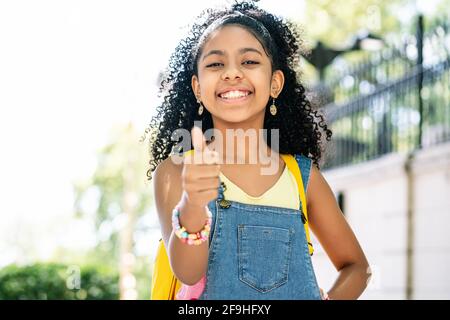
{"type": "Point", "coordinates": [118, 193]}
{"type": "Point", "coordinates": [55, 281]}
{"type": "Point", "coordinates": [335, 22]}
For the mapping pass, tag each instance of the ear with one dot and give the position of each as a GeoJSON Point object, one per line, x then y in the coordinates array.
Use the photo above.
{"type": "Point", "coordinates": [195, 86]}
{"type": "Point", "coordinates": [277, 83]}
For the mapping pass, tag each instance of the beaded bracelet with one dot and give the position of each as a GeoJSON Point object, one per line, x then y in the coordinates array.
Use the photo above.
{"type": "Point", "coordinates": [190, 238]}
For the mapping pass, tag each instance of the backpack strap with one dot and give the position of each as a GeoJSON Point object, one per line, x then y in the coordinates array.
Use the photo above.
{"type": "Point", "coordinates": [294, 164]}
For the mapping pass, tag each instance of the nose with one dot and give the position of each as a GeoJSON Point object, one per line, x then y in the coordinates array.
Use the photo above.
{"type": "Point", "coordinates": [232, 72]}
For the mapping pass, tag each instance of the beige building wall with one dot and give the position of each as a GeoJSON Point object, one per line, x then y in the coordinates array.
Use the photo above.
{"type": "Point", "coordinates": [393, 212]}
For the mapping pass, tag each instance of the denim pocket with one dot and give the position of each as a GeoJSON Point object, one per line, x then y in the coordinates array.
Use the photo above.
{"type": "Point", "coordinates": [264, 256]}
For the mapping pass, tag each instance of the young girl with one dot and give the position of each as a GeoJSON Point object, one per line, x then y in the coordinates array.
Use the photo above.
{"type": "Point", "coordinates": [233, 228]}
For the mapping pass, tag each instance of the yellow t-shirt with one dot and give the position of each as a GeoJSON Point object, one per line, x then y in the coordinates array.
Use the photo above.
{"type": "Point", "coordinates": [284, 193]}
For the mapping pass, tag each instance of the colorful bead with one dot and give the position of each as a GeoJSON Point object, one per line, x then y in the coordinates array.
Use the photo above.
{"type": "Point", "coordinates": [191, 238]}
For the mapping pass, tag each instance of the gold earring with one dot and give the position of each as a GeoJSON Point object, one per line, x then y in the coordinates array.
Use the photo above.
{"type": "Point", "coordinates": [273, 108]}
{"type": "Point", "coordinates": [200, 108]}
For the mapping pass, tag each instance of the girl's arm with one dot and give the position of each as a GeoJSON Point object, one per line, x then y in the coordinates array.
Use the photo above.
{"type": "Point", "coordinates": [188, 263]}
{"type": "Point", "coordinates": [337, 238]}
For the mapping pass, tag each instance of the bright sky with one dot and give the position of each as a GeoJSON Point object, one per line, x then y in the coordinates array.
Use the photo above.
{"type": "Point", "coordinates": [69, 71]}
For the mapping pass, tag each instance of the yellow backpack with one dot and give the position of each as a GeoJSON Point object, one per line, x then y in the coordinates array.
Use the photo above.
{"type": "Point", "coordinates": [164, 283]}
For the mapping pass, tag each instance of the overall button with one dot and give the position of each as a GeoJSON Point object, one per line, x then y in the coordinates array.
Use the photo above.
{"type": "Point", "coordinates": [223, 203]}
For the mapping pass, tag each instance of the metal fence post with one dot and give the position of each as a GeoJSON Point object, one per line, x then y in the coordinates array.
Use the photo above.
{"type": "Point", "coordinates": [420, 30]}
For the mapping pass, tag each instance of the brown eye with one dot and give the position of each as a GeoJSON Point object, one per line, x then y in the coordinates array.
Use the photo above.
{"type": "Point", "coordinates": [250, 62]}
{"type": "Point", "coordinates": [215, 64]}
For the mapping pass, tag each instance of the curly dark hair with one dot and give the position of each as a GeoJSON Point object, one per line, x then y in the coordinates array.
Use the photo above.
{"type": "Point", "coordinates": [298, 123]}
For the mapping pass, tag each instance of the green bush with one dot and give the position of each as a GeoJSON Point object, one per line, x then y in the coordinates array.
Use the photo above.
{"type": "Point", "coordinates": [52, 281]}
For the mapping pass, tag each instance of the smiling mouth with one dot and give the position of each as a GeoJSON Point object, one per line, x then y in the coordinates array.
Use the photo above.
{"type": "Point", "coordinates": [235, 95]}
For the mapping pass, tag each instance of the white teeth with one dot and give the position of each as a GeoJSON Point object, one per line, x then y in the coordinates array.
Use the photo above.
{"type": "Point", "coordinates": [234, 94]}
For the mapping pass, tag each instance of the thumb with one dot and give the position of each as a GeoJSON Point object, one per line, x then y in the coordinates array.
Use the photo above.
{"type": "Point", "coordinates": [198, 139]}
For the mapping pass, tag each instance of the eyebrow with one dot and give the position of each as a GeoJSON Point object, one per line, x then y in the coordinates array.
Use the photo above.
{"type": "Point", "coordinates": [222, 53]}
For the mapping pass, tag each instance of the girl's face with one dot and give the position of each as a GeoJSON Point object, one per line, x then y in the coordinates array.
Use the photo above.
{"type": "Point", "coordinates": [235, 79]}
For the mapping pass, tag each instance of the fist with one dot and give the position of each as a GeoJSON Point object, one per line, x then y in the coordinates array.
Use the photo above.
{"type": "Point", "coordinates": [200, 174]}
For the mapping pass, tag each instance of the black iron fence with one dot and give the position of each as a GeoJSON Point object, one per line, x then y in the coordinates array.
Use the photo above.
{"type": "Point", "coordinates": [364, 77]}
{"type": "Point", "coordinates": [406, 105]}
{"type": "Point", "coordinates": [345, 82]}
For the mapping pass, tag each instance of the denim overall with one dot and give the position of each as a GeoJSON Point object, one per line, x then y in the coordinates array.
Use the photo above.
{"type": "Point", "coordinates": [259, 252]}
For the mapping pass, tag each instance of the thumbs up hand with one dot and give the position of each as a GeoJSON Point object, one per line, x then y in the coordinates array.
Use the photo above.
{"type": "Point", "coordinates": [200, 174]}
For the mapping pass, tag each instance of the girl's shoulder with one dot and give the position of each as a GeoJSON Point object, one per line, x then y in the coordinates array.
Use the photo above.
{"type": "Point", "coordinates": [171, 166]}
